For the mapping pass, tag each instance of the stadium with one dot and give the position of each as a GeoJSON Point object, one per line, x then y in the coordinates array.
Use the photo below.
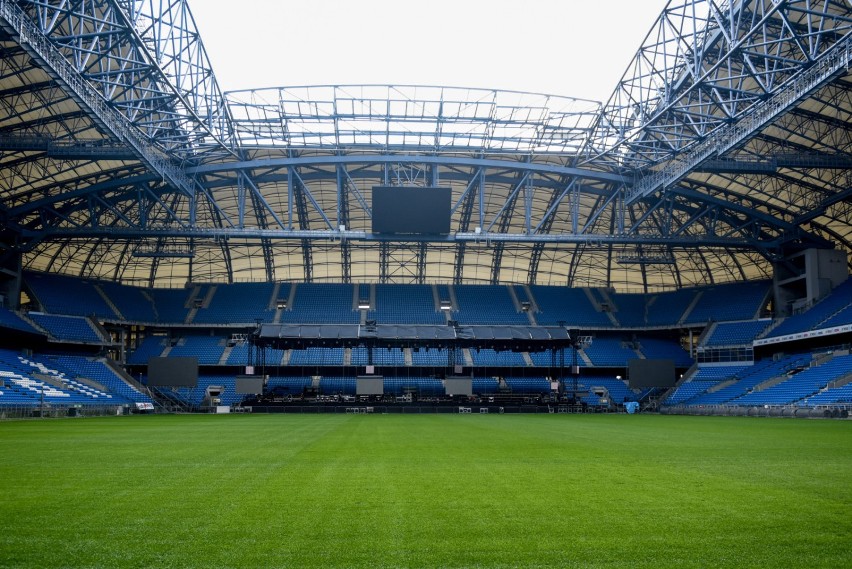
{"type": "Point", "coordinates": [465, 326]}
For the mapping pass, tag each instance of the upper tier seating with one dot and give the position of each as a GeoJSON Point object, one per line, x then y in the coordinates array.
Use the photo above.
{"type": "Point", "coordinates": [405, 304]}
{"type": "Point", "coordinates": [238, 303]}
{"type": "Point", "coordinates": [134, 303]}
{"type": "Point", "coordinates": [239, 355]}
{"type": "Point", "coordinates": [170, 304]}
{"type": "Point", "coordinates": [67, 328]}
{"type": "Point", "coordinates": [830, 311]}
{"type": "Point", "coordinates": [667, 308]}
{"type": "Point", "coordinates": [335, 303]}
{"type": "Point", "coordinates": [569, 306]}
{"type": "Point", "coordinates": [321, 304]}
{"type": "Point", "coordinates": [59, 294]}
{"type": "Point", "coordinates": [736, 333]}
{"type": "Point", "coordinates": [11, 320]}
{"type": "Point", "coordinates": [630, 309]}
{"type": "Point", "coordinates": [735, 301]}
{"type": "Point", "coordinates": [486, 304]}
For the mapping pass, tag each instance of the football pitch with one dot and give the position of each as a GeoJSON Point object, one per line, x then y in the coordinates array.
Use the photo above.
{"type": "Point", "coordinates": [425, 491]}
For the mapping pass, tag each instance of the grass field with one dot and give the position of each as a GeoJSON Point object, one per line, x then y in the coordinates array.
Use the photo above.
{"type": "Point", "coordinates": [425, 491]}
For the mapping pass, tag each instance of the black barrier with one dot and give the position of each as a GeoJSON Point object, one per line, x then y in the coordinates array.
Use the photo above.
{"type": "Point", "coordinates": [410, 409]}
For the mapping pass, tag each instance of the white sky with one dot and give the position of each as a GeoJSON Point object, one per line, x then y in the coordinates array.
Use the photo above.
{"type": "Point", "coordinates": [563, 47]}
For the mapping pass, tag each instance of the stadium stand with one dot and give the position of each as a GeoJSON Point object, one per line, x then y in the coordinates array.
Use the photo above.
{"type": "Point", "coordinates": [569, 306]}
{"type": "Point", "coordinates": [486, 304]}
{"type": "Point", "coordinates": [321, 304]}
{"type": "Point", "coordinates": [616, 389]}
{"type": "Point", "coordinates": [405, 304]}
{"type": "Point", "coordinates": [737, 301]}
{"type": "Point", "coordinates": [381, 357]}
{"type": "Point", "coordinates": [668, 308]}
{"type": "Point", "coordinates": [239, 355]}
{"type": "Point", "coordinates": [833, 308]}
{"type": "Point", "coordinates": [688, 390]}
{"type": "Point", "coordinates": [750, 377]}
{"type": "Point", "coordinates": [630, 309]}
{"type": "Point", "coordinates": [133, 303]}
{"type": "Point", "coordinates": [13, 321]}
{"type": "Point", "coordinates": [208, 349]}
{"type": "Point", "coordinates": [150, 347]}
{"type": "Point", "coordinates": [604, 351]}
{"type": "Point", "coordinates": [659, 348]}
{"type": "Point", "coordinates": [799, 385]}
{"type": "Point", "coordinates": [546, 359]}
{"type": "Point", "coordinates": [421, 357]}
{"type": "Point", "coordinates": [486, 357]}
{"type": "Point", "coordinates": [170, 304]}
{"type": "Point", "coordinates": [529, 385]}
{"type": "Point", "coordinates": [317, 357]}
{"type": "Point", "coordinates": [67, 328]}
{"type": "Point", "coordinates": [735, 333]}
{"type": "Point", "coordinates": [28, 376]}
{"type": "Point", "coordinates": [195, 395]}
{"type": "Point", "coordinates": [831, 395]}
{"type": "Point", "coordinates": [96, 369]}
{"type": "Point", "coordinates": [58, 294]}
{"type": "Point", "coordinates": [239, 303]}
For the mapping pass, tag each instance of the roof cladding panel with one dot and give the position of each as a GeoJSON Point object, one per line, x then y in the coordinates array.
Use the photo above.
{"type": "Point", "coordinates": [162, 179]}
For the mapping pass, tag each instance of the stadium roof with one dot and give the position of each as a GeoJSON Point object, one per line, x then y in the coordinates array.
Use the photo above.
{"type": "Point", "coordinates": [725, 145]}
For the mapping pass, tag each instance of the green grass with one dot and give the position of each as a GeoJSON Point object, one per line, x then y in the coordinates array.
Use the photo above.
{"type": "Point", "coordinates": [425, 491]}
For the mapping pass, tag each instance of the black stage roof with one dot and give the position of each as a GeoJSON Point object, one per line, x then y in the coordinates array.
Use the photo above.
{"type": "Point", "coordinates": [501, 338]}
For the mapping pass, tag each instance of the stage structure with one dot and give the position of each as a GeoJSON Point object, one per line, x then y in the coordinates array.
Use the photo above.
{"type": "Point", "coordinates": [452, 338]}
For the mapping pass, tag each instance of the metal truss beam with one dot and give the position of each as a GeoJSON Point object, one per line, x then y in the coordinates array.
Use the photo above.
{"type": "Point", "coordinates": [706, 63]}
{"type": "Point", "coordinates": [412, 118]}
{"type": "Point", "coordinates": [771, 164]}
{"type": "Point", "coordinates": [381, 158]}
{"type": "Point", "coordinates": [591, 239]}
{"type": "Point", "coordinates": [146, 58]}
{"type": "Point", "coordinates": [15, 22]}
{"type": "Point", "coordinates": [79, 149]}
{"type": "Point", "coordinates": [728, 137]}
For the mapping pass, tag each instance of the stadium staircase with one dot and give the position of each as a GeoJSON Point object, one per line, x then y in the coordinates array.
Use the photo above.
{"type": "Point", "coordinates": [23, 316]}
{"type": "Point", "coordinates": [168, 400]}
{"type": "Point", "coordinates": [685, 316]}
{"type": "Point", "coordinates": [99, 330]}
{"type": "Point", "coordinates": [121, 374]}
{"type": "Point", "coordinates": [109, 302]}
